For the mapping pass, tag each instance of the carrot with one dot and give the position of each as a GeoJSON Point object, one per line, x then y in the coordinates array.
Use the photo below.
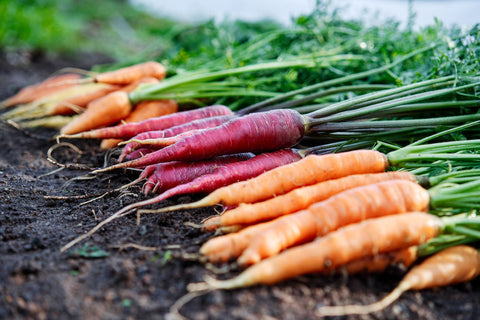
{"type": "Point", "coordinates": [392, 197]}
{"type": "Point", "coordinates": [223, 175]}
{"type": "Point", "coordinates": [42, 89]}
{"type": "Point", "coordinates": [450, 266]}
{"type": "Point", "coordinates": [312, 169]}
{"type": "Point", "coordinates": [299, 198]}
{"type": "Point", "coordinates": [77, 103]}
{"type": "Point", "coordinates": [159, 143]}
{"type": "Point", "coordinates": [317, 168]}
{"type": "Point", "coordinates": [163, 176]}
{"type": "Point", "coordinates": [401, 258]}
{"type": "Point", "coordinates": [257, 132]}
{"type": "Point", "coordinates": [67, 106]}
{"type": "Point", "coordinates": [101, 112]}
{"type": "Point", "coordinates": [139, 153]}
{"type": "Point", "coordinates": [353, 205]}
{"type": "Point", "coordinates": [130, 74]}
{"type": "Point", "coordinates": [129, 130]}
{"type": "Point", "coordinates": [137, 141]}
{"type": "Point", "coordinates": [226, 174]}
{"type": "Point", "coordinates": [142, 111]}
{"type": "Point", "coordinates": [350, 243]}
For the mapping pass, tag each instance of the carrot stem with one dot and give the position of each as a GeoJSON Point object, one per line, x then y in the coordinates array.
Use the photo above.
{"type": "Point", "coordinates": [337, 81]}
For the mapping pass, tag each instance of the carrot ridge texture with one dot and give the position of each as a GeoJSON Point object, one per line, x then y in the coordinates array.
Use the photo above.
{"type": "Point", "coordinates": [129, 130]}
{"type": "Point", "coordinates": [347, 207]}
{"type": "Point", "coordinates": [355, 241]}
{"type": "Point", "coordinates": [258, 132]}
{"type": "Point", "coordinates": [450, 266]}
{"type": "Point", "coordinates": [312, 169]}
{"type": "Point", "coordinates": [351, 206]}
{"type": "Point", "coordinates": [299, 198]}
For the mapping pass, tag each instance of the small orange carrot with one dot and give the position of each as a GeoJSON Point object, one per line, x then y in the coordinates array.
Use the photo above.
{"type": "Point", "coordinates": [347, 207]}
{"type": "Point", "coordinates": [130, 74]}
{"type": "Point", "coordinates": [350, 243]}
{"type": "Point", "coordinates": [144, 110]}
{"type": "Point", "coordinates": [312, 169]}
{"type": "Point", "coordinates": [450, 266]}
{"type": "Point", "coordinates": [42, 89]}
{"type": "Point", "coordinates": [298, 199]}
{"type": "Point", "coordinates": [101, 112]}
{"type": "Point", "coordinates": [68, 105]}
{"type": "Point", "coordinates": [231, 245]}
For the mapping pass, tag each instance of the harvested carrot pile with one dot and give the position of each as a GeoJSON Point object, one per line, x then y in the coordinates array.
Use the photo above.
{"type": "Point", "coordinates": [347, 174]}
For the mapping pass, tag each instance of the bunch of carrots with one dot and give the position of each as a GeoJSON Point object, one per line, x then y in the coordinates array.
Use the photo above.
{"type": "Point", "coordinates": [284, 206]}
{"type": "Point", "coordinates": [294, 205]}
{"type": "Point", "coordinates": [75, 103]}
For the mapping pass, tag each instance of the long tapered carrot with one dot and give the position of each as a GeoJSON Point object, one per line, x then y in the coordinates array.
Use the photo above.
{"type": "Point", "coordinates": [138, 140]}
{"type": "Point", "coordinates": [223, 175]}
{"type": "Point", "coordinates": [42, 89]}
{"type": "Point", "coordinates": [402, 259]}
{"type": "Point", "coordinates": [101, 112]}
{"type": "Point", "coordinates": [163, 176]}
{"type": "Point", "coordinates": [142, 111]}
{"type": "Point", "coordinates": [312, 169]}
{"type": "Point", "coordinates": [131, 74]}
{"type": "Point", "coordinates": [450, 266]}
{"type": "Point", "coordinates": [337, 248]}
{"type": "Point", "coordinates": [226, 174]}
{"type": "Point", "coordinates": [353, 205]}
{"type": "Point", "coordinates": [257, 132]}
{"type": "Point", "coordinates": [299, 198]}
{"type": "Point", "coordinates": [129, 130]}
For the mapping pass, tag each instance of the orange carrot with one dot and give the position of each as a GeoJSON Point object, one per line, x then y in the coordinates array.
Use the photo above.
{"type": "Point", "coordinates": [101, 112]}
{"type": "Point", "coordinates": [298, 199]}
{"type": "Point", "coordinates": [144, 110]}
{"type": "Point", "coordinates": [231, 245]}
{"type": "Point", "coordinates": [347, 207]}
{"type": "Point", "coordinates": [312, 169]}
{"type": "Point", "coordinates": [350, 243]}
{"type": "Point", "coordinates": [402, 259]}
{"type": "Point", "coordinates": [67, 106]}
{"type": "Point", "coordinates": [130, 74]}
{"type": "Point", "coordinates": [78, 103]}
{"type": "Point", "coordinates": [42, 89]}
{"type": "Point", "coordinates": [450, 266]}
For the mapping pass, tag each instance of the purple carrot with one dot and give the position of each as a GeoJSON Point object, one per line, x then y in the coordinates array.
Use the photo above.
{"type": "Point", "coordinates": [164, 176]}
{"type": "Point", "coordinates": [139, 153]}
{"type": "Point", "coordinates": [222, 176]}
{"type": "Point", "coordinates": [173, 131]}
{"type": "Point", "coordinates": [129, 130]}
{"type": "Point", "coordinates": [257, 132]}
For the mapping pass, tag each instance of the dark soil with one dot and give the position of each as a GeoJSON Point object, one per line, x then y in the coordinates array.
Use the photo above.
{"type": "Point", "coordinates": [38, 281]}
